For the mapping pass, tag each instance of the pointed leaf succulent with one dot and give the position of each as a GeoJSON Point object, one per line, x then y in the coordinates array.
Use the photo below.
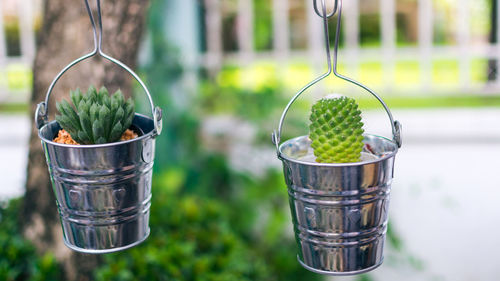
{"type": "Point", "coordinates": [336, 130]}
{"type": "Point", "coordinates": [95, 117]}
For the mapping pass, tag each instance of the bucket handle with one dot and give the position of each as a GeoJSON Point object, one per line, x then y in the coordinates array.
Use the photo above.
{"type": "Point", "coordinates": [395, 125]}
{"type": "Point", "coordinates": [41, 113]}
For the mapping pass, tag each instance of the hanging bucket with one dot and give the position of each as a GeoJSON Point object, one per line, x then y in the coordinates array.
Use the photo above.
{"type": "Point", "coordinates": [103, 191]}
{"type": "Point", "coordinates": [339, 211]}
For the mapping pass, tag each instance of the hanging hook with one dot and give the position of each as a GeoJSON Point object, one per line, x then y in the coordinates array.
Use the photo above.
{"type": "Point", "coordinates": [324, 10]}
{"type": "Point", "coordinates": [97, 35]}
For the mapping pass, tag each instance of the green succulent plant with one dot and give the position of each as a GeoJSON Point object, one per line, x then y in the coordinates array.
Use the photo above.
{"type": "Point", "coordinates": [95, 117]}
{"type": "Point", "coordinates": [336, 130]}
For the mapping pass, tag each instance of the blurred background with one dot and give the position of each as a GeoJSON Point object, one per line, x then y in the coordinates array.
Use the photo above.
{"type": "Point", "coordinates": [223, 71]}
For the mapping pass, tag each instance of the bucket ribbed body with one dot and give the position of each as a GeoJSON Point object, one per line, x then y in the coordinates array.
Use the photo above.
{"type": "Point", "coordinates": [339, 211]}
{"type": "Point", "coordinates": [103, 192]}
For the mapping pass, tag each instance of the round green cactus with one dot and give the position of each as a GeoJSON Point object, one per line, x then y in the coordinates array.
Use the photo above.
{"type": "Point", "coordinates": [95, 117]}
{"type": "Point", "coordinates": [336, 130]}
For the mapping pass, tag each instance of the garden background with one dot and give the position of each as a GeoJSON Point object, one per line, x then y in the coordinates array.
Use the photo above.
{"type": "Point", "coordinates": [222, 71]}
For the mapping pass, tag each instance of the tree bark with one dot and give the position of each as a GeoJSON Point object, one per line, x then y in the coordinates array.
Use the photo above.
{"type": "Point", "coordinates": [66, 35]}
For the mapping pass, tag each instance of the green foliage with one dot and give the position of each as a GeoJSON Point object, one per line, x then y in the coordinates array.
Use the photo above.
{"type": "Point", "coordinates": [336, 130]}
{"type": "Point", "coordinates": [364, 277]}
{"type": "Point", "coordinates": [192, 239]}
{"type": "Point", "coordinates": [253, 94]}
{"type": "Point", "coordinates": [18, 259]}
{"type": "Point", "coordinates": [12, 36]}
{"type": "Point", "coordinates": [261, 214]}
{"type": "Point", "coordinates": [251, 104]}
{"type": "Point", "coordinates": [369, 30]}
{"type": "Point", "coordinates": [206, 238]}
{"type": "Point", "coordinates": [263, 25]}
{"type": "Point", "coordinates": [95, 117]}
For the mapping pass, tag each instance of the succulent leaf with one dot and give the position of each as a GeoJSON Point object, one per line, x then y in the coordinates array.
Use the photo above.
{"type": "Point", "coordinates": [105, 99]}
{"type": "Point", "coordinates": [129, 113]}
{"type": "Point", "coordinates": [118, 96]}
{"type": "Point", "coordinates": [82, 137]}
{"type": "Point", "coordinates": [95, 117]}
{"type": "Point", "coordinates": [92, 94]}
{"type": "Point", "coordinates": [105, 122]}
{"type": "Point", "coordinates": [98, 131]}
{"type": "Point", "coordinates": [76, 97]}
{"type": "Point", "coordinates": [116, 131]}
{"type": "Point", "coordinates": [103, 92]}
{"type": "Point", "coordinates": [128, 121]}
{"type": "Point", "coordinates": [336, 130]}
{"type": "Point", "coordinates": [64, 121]}
{"type": "Point", "coordinates": [86, 124]}
{"type": "Point", "coordinates": [72, 116]}
{"type": "Point", "coordinates": [119, 115]}
{"type": "Point", "coordinates": [94, 112]}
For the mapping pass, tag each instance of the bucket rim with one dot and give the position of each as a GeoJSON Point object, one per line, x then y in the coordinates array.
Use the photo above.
{"type": "Point", "coordinates": [89, 146]}
{"type": "Point", "coordinates": [340, 273]}
{"type": "Point", "coordinates": [105, 251]}
{"type": "Point", "coordinates": [282, 156]}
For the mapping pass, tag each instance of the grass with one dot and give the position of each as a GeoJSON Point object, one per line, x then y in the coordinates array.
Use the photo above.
{"type": "Point", "coordinates": [14, 108]}
{"type": "Point", "coordinates": [407, 76]}
{"type": "Point", "coordinates": [469, 101]}
{"type": "Point", "coordinates": [16, 77]}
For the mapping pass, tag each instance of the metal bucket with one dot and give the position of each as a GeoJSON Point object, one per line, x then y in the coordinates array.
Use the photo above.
{"type": "Point", "coordinates": [103, 191]}
{"type": "Point", "coordinates": [339, 211]}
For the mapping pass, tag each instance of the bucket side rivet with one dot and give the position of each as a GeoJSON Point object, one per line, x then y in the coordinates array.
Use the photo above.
{"type": "Point", "coordinates": [147, 152]}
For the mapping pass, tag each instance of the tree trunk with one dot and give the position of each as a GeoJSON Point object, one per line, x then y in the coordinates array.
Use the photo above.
{"type": "Point", "coordinates": [66, 35]}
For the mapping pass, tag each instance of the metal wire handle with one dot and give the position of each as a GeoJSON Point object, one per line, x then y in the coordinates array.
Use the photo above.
{"type": "Point", "coordinates": [41, 114]}
{"type": "Point", "coordinates": [395, 125]}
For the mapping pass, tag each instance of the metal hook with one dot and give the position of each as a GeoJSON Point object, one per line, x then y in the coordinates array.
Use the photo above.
{"type": "Point", "coordinates": [97, 36]}
{"type": "Point", "coordinates": [324, 11]}
{"type": "Point", "coordinates": [41, 114]}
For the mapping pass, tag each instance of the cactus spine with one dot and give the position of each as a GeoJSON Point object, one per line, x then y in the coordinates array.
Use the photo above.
{"type": "Point", "coordinates": [336, 130]}
{"type": "Point", "coordinates": [95, 117]}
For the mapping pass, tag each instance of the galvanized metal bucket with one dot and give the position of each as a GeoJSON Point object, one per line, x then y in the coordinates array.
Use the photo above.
{"type": "Point", "coordinates": [103, 191]}
{"type": "Point", "coordinates": [339, 211]}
